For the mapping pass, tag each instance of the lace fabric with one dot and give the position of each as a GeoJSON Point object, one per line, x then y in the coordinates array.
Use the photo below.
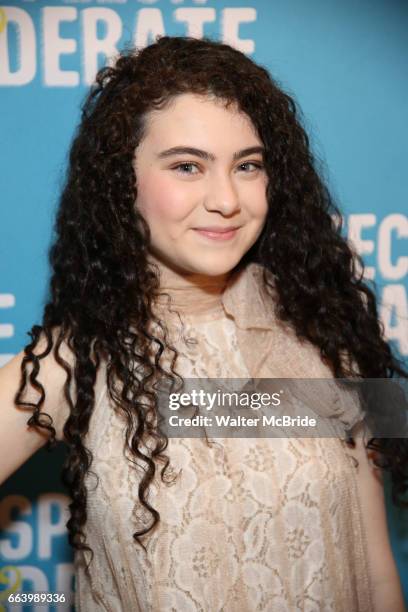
{"type": "Point", "coordinates": [248, 524]}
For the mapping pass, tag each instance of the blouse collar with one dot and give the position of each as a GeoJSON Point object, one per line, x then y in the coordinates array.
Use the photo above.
{"type": "Point", "coordinates": [242, 296]}
{"type": "Point", "coordinates": [248, 300]}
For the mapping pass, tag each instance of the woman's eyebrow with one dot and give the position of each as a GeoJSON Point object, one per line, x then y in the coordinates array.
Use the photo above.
{"type": "Point", "coordinates": [205, 155]}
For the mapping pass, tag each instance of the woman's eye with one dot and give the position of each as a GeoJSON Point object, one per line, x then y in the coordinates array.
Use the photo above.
{"type": "Point", "coordinates": [191, 168]}
{"type": "Point", "coordinates": [185, 168]}
{"type": "Point", "coordinates": [255, 166]}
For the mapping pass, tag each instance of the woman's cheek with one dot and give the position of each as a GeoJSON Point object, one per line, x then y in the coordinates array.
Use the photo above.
{"type": "Point", "coordinates": [167, 198]}
{"type": "Point", "coordinates": [150, 198]}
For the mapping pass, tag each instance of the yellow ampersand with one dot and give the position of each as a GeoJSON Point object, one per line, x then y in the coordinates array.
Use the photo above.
{"type": "Point", "coordinates": [6, 580]}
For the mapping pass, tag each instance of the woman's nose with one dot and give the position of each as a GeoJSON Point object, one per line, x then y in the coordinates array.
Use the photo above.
{"type": "Point", "coordinates": [222, 195]}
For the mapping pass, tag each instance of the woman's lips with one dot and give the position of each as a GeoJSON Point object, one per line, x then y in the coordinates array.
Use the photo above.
{"type": "Point", "coordinates": [217, 234]}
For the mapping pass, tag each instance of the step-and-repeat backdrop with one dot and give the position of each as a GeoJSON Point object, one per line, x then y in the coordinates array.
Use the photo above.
{"type": "Point", "coordinates": [345, 63]}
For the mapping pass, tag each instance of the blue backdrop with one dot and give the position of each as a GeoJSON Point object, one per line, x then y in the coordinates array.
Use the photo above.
{"type": "Point", "coordinates": [345, 62]}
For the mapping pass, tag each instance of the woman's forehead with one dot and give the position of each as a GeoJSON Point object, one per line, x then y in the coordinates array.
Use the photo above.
{"type": "Point", "coordinates": [189, 115]}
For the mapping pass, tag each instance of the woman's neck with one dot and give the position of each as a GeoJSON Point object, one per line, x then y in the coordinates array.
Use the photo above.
{"type": "Point", "coordinates": [190, 293]}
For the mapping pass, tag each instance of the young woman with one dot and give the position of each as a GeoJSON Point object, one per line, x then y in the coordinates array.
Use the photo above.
{"type": "Point", "coordinates": [195, 239]}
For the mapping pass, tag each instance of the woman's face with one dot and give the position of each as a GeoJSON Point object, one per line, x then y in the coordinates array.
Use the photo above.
{"type": "Point", "coordinates": [201, 185]}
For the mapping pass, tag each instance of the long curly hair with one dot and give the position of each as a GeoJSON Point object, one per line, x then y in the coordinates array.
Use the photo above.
{"type": "Point", "coordinates": [102, 286]}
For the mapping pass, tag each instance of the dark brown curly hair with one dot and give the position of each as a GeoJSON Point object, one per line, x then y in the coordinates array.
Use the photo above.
{"type": "Point", "coordinates": [102, 285]}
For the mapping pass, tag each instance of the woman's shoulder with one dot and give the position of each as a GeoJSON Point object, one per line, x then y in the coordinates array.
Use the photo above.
{"type": "Point", "coordinates": [273, 350]}
{"type": "Point", "coordinates": [55, 363]}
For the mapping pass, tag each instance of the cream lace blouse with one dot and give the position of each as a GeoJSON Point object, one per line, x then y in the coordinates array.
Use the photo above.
{"type": "Point", "coordinates": [249, 524]}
